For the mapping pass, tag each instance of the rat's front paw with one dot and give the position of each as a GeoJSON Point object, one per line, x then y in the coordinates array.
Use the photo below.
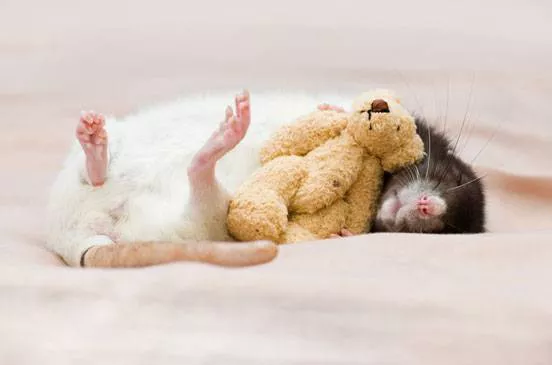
{"type": "Point", "coordinates": [334, 108]}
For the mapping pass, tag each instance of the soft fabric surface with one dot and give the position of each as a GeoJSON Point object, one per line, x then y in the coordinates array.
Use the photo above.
{"type": "Point", "coordinates": [379, 299]}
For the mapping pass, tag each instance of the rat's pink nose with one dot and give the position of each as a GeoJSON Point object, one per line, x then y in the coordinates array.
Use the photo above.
{"type": "Point", "coordinates": [424, 206]}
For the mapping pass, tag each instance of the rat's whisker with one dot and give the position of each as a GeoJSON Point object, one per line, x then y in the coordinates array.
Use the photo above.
{"type": "Point", "coordinates": [439, 176]}
{"type": "Point", "coordinates": [447, 105]}
{"type": "Point", "coordinates": [415, 172]}
{"type": "Point", "coordinates": [412, 173]}
{"type": "Point", "coordinates": [407, 84]}
{"type": "Point", "coordinates": [402, 181]}
{"type": "Point", "coordinates": [429, 152]}
{"type": "Point", "coordinates": [466, 113]}
{"type": "Point", "coordinates": [411, 176]}
{"type": "Point", "coordinates": [467, 183]}
{"type": "Point", "coordinates": [446, 167]}
{"type": "Point", "coordinates": [418, 173]}
{"type": "Point", "coordinates": [469, 132]}
{"type": "Point", "coordinates": [454, 149]}
{"type": "Point", "coordinates": [486, 144]}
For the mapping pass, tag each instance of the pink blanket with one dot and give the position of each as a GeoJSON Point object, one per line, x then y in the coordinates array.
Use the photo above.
{"type": "Point", "coordinates": [378, 299]}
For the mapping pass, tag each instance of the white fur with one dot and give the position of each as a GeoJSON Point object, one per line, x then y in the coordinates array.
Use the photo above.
{"type": "Point", "coordinates": [401, 210]}
{"type": "Point", "coordinates": [147, 195]}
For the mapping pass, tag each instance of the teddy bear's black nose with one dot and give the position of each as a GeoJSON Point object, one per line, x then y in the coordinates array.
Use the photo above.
{"type": "Point", "coordinates": [380, 106]}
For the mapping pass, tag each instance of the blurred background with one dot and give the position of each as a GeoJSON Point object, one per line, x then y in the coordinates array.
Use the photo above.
{"type": "Point", "coordinates": [116, 56]}
{"type": "Point", "coordinates": [119, 54]}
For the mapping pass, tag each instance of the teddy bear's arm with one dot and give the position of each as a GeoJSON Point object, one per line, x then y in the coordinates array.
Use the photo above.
{"type": "Point", "coordinates": [363, 196]}
{"type": "Point", "coordinates": [333, 168]}
{"type": "Point", "coordinates": [304, 135]}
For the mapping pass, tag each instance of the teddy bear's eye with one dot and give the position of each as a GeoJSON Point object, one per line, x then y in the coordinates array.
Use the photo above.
{"type": "Point", "coordinates": [398, 128]}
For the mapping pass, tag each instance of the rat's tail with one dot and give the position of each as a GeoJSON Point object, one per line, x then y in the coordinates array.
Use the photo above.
{"type": "Point", "coordinates": [141, 254]}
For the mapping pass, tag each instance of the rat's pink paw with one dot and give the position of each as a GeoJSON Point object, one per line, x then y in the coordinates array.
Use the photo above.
{"type": "Point", "coordinates": [93, 139]}
{"type": "Point", "coordinates": [344, 233]}
{"type": "Point", "coordinates": [90, 130]}
{"type": "Point", "coordinates": [230, 132]}
{"type": "Point", "coordinates": [234, 127]}
{"type": "Point", "coordinates": [330, 107]}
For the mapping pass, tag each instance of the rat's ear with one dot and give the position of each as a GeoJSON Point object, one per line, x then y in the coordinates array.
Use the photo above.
{"type": "Point", "coordinates": [409, 153]}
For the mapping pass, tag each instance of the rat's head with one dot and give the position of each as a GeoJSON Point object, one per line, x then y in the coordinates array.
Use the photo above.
{"type": "Point", "coordinates": [446, 198]}
{"type": "Point", "coordinates": [381, 125]}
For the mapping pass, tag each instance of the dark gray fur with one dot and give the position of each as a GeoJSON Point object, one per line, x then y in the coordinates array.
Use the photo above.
{"type": "Point", "coordinates": [465, 205]}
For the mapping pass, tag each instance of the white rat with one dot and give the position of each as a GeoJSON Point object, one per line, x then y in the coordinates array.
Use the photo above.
{"type": "Point", "coordinates": [143, 190]}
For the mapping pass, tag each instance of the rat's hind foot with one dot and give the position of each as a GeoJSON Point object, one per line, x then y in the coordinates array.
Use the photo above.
{"type": "Point", "coordinates": [230, 132]}
{"type": "Point", "coordinates": [93, 139]}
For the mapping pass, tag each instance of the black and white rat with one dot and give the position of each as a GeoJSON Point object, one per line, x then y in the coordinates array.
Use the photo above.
{"type": "Point", "coordinates": [439, 194]}
{"type": "Point", "coordinates": [154, 187]}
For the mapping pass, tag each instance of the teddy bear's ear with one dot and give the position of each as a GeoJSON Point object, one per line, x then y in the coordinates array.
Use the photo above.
{"type": "Point", "coordinates": [410, 153]}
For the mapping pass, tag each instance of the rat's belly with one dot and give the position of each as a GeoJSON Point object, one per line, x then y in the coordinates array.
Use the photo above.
{"type": "Point", "coordinates": [150, 218]}
{"type": "Point", "coordinates": [154, 210]}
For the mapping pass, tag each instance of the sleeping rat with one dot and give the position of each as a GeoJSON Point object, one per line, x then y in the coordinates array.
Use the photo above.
{"type": "Point", "coordinates": [439, 194]}
{"type": "Point", "coordinates": [154, 187]}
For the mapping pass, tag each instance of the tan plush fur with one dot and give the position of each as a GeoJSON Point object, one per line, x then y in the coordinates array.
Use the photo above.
{"type": "Point", "coordinates": [324, 172]}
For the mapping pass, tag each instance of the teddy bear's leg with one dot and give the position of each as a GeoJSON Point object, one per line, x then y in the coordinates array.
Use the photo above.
{"type": "Point", "coordinates": [208, 202]}
{"type": "Point", "coordinates": [295, 233]}
{"type": "Point", "coordinates": [325, 222]}
{"type": "Point", "coordinates": [259, 209]}
{"type": "Point", "coordinates": [363, 196]}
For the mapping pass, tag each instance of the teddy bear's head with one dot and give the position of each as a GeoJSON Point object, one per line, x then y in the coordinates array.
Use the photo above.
{"type": "Point", "coordinates": [381, 125]}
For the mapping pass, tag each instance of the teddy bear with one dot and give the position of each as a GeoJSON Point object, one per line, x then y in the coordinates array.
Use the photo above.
{"type": "Point", "coordinates": [324, 172]}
